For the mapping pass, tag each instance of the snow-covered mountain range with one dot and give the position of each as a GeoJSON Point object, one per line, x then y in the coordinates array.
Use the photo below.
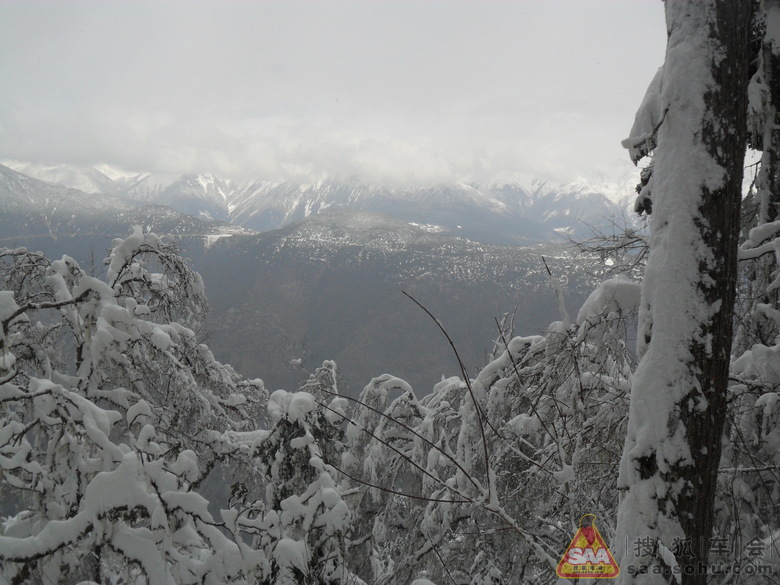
{"type": "Point", "coordinates": [516, 213]}
{"type": "Point", "coordinates": [32, 208]}
{"type": "Point", "coordinates": [328, 286]}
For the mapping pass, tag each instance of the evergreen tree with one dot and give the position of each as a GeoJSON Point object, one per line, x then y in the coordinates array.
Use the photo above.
{"type": "Point", "coordinates": [305, 519]}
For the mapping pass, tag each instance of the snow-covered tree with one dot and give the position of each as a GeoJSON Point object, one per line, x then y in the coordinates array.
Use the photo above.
{"type": "Point", "coordinates": [111, 415]}
{"type": "Point", "coordinates": [693, 118]}
{"type": "Point", "coordinates": [747, 509]}
{"type": "Point", "coordinates": [383, 463]}
{"type": "Point", "coordinates": [483, 480]}
{"type": "Point", "coordinates": [300, 520]}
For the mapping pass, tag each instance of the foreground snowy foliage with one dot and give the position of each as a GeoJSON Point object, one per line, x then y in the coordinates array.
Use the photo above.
{"type": "Point", "coordinates": [482, 480]}
{"type": "Point", "coordinates": [111, 414]}
{"type": "Point", "coordinates": [113, 418]}
{"type": "Point", "coordinates": [297, 519]}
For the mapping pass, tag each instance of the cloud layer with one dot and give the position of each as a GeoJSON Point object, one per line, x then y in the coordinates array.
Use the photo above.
{"type": "Point", "coordinates": [384, 90]}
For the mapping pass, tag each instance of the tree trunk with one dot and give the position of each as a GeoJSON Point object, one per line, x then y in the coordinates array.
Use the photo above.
{"type": "Point", "coordinates": [678, 398]}
{"type": "Point", "coordinates": [770, 65]}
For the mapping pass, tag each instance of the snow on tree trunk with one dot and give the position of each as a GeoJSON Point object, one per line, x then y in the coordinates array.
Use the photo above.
{"type": "Point", "coordinates": [764, 113]}
{"type": "Point", "coordinates": [678, 398]}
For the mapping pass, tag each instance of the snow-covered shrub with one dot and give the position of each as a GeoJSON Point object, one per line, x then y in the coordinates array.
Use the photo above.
{"type": "Point", "coordinates": [384, 462]}
{"type": "Point", "coordinates": [111, 414]}
{"type": "Point", "coordinates": [300, 523]}
{"type": "Point", "coordinates": [484, 480]}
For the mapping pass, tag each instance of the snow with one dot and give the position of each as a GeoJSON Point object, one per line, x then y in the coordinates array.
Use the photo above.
{"type": "Point", "coordinates": [301, 404]}
{"type": "Point", "coordinates": [429, 227]}
{"type": "Point", "coordinates": [211, 239]}
{"type": "Point", "coordinates": [516, 349]}
{"type": "Point", "coordinates": [565, 475]}
{"type": "Point", "coordinates": [119, 488]}
{"type": "Point", "coordinates": [139, 412]}
{"type": "Point", "coordinates": [673, 309]}
{"type": "Point", "coordinates": [619, 294]}
{"type": "Point", "coordinates": [769, 402]}
{"type": "Point", "coordinates": [7, 361]}
{"type": "Point", "coordinates": [649, 116]}
{"type": "Point", "coordinates": [337, 411]}
{"type": "Point", "coordinates": [139, 544]}
{"type": "Point", "coordinates": [186, 466]}
{"type": "Point", "coordinates": [760, 235]}
{"type": "Point", "coordinates": [160, 339]}
{"type": "Point", "coordinates": [676, 248]}
{"type": "Point", "coordinates": [276, 409]}
{"type": "Point", "coordinates": [114, 173]}
{"type": "Point", "coordinates": [293, 406]}
{"type": "Point", "coordinates": [123, 252]}
{"type": "Point", "coordinates": [525, 424]}
{"type": "Point", "coordinates": [54, 534]}
{"type": "Point", "coordinates": [759, 362]}
{"type": "Point", "coordinates": [773, 25]}
{"type": "Point", "coordinates": [94, 480]}
{"type": "Point", "coordinates": [301, 442]}
{"type": "Point", "coordinates": [291, 553]}
{"type": "Point", "coordinates": [7, 304]}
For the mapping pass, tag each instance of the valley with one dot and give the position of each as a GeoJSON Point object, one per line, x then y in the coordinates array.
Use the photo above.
{"type": "Point", "coordinates": [325, 279]}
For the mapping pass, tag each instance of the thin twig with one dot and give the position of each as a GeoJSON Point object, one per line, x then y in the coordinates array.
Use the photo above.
{"type": "Point", "coordinates": [470, 388]}
{"type": "Point", "coordinates": [389, 446]}
{"type": "Point", "coordinates": [397, 493]}
{"type": "Point", "coordinates": [411, 430]}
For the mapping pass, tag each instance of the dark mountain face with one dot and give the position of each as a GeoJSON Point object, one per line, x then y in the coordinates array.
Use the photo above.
{"type": "Point", "coordinates": [330, 287]}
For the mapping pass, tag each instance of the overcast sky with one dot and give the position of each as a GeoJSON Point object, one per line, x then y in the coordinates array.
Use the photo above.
{"type": "Point", "coordinates": [413, 91]}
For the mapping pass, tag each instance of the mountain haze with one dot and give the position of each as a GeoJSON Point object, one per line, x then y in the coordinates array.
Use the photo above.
{"type": "Point", "coordinates": [331, 287]}
{"type": "Point", "coordinates": [510, 213]}
{"type": "Point", "coordinates": [325, 277]}
{"type": "Point", "coordinates": [31, 208]}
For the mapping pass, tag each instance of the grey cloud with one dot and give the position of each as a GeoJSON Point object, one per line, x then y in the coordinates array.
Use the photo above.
{"type": "Point", "coordinates": [387, 89]}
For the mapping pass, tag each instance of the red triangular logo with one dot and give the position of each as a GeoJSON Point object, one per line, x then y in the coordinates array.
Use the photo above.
{"type": "Point", "coordinates": [587, 556]}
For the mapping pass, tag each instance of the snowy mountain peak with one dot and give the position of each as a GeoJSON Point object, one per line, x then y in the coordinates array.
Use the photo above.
{"type": "Point", "coordinates": [510, 213]}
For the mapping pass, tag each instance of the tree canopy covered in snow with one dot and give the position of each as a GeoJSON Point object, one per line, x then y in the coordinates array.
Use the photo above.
{"type": "Point", "coordinates": [111, 416]}
{"type": "Point", "coordinates": [130, 455]}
